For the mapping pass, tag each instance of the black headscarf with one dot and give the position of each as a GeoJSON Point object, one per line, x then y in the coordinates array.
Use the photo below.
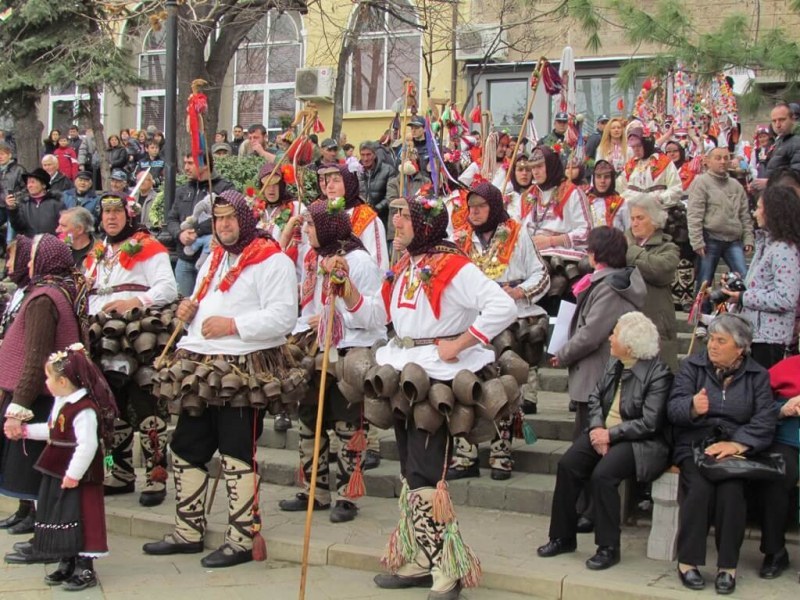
{"type": "Point", "coordinates": [497, 209]}
{"type": "Point", "coordinates": [553, 165]}
{"type": "Point", "coordinates": [518, 187]}
{"type": "Point", "coordinates": [604, 166]}
{"type": "Point", "coordinates": [334, 232]}
{"type": "Point", "coordinates": [430, 230]}
{"type": "Point", "coordinates": [20, 274]}
{"type": "Point", "coordinates": [131, 216]}
{"type": "Point", "coordinates": [681, 150]}
{"type": "Point", "coordinates": [352, 194]}
{"type": "Point", "coordinates": [648, 142]}
{"type": "Point", "coordinates": [245, 217]}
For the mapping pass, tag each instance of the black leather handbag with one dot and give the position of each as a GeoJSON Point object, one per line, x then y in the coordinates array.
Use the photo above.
{"type": "Point", "coordinates": [768, 466]}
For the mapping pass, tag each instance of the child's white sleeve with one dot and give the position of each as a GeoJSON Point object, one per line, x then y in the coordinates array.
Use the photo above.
{"type": "Point", "coordinates": [85, 426]}
{"type": "Point", "coordinates": [37, 431]}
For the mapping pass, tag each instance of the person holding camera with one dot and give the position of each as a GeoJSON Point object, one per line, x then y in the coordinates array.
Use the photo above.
{"type": "Point", "coordinates": [772, 285]}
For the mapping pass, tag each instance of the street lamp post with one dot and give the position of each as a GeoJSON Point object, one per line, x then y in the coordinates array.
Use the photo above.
{"type": "Point", "coordinates": [170, 106]}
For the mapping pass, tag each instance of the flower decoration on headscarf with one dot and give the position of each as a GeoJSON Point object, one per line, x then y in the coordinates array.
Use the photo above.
{"type": "Point", "coordinates": [429, 221]}
{"type": "Point", "coordinates": [332, 224]}
{"type": "Point", "coordinates": [352, 193]}
{"type": "Point", "coordinates": [132, 211]}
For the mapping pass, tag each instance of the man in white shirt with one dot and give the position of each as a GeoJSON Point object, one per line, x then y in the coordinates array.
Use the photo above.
{"type": "Point", "coordinates": [129, 271]}
{"type": "Point", "coordinates": [336, 252]}
{"type": "Point", "coordinates": [244, 305]}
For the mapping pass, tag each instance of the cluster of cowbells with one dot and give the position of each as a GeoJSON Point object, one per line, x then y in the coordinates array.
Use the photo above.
{"type": "Point", "coordinates": [126, 344]}
{"type": "Point", "coordinates": [470, 403]}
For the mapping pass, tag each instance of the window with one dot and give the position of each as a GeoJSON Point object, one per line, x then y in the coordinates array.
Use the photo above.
{"type": "Point", "coordinates": [152, 69]}
{"type": "Point", "coordinates": [389, 49]}
{"type": "Point", "coordinates": [264, 73]}
{"type": "Point", "coordinates": [508, 99]}
{"type": "Point", "coordinates": [599, 95]}
{"type": "Point", "coordinates": [69, 105]}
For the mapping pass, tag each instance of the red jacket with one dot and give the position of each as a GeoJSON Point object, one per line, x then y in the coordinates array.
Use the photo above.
{"type": "Point", "coordinates": [67, 161]}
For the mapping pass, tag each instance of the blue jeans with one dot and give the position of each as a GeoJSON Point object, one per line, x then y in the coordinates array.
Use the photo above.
{"type": "Point", "coordinates": [731, 252]}
{"type": "Point", "coordinates": [185, 276]}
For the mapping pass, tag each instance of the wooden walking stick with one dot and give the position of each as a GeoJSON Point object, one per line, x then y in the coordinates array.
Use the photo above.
{"type": "Point", "coordinates": [408, 84]}
{"type": "Point", "coordinates": [329, 323]}
{"type": "Point", "coordinates": [696, 315]}
{"type": "Point", "coordinates": [308, 116]}
{"type": "Point", "coordinates": [535, 78]}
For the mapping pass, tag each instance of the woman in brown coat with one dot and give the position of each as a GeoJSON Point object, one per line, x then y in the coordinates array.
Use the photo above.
{"type": "Point", "coordinates": [656, 257]}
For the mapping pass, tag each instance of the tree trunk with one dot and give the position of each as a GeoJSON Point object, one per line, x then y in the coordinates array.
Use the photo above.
{"type": "Point", "coordinates": [29, 130]}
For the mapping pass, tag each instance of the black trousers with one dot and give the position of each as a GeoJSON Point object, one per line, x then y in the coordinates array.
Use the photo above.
{"type": "Point", "coordinates": [767, 355]}
{"type": "Point", "coordinates": [423, 456]}
{"type": "Point", "coordinates": [774, 497]}
{"type": "Point", "coordinates": [232, 431]}
{"type": "Point", "coordinates": [579, 466]}
{"type": "Point", "coordinates": [702, 504]}
{"type": "Point", "coordinates": [135, 404]}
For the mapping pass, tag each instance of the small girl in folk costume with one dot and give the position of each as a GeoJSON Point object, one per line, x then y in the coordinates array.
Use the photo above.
{"type": "Point", "coordinates": [607, 206]}
{"type": "Point", "coordinates": [558, 221]}
{"type": "Point", "coordinates": [649, 172]}
{"type": "Point", "coordinates": [71, 522]}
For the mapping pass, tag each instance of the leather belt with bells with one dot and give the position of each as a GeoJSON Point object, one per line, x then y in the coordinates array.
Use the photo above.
{"type": "Point", "coordinates": [408, 342]}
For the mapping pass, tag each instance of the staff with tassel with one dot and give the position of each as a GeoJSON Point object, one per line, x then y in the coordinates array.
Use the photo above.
{"type": "Point", "coordinates": [537, 72]}
{"type": "Point", "coordinates": [338, 282]}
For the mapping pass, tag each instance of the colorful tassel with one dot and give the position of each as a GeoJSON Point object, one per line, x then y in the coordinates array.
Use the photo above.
{"type": "Point", "coordinates": [475, 115]}
{"type": "Point", "coordinates": [443, 511]}
{"type": "Point", "coordinates": [300, 477]}
{"type": "Point", "coordinates": [355, 487]}
{"type": "Point", "coordinates": [458, 560]}
{"type": "Point", "coordinates": [357, 443]}
{"type": "Point", "coordinates": [338, 326]}
{"type": "Point", "coordinates": [402, 545]}
{"type": "Point", "coordinates": [259, 543]}
{"type": "Point", "coordinates": [159, 474]}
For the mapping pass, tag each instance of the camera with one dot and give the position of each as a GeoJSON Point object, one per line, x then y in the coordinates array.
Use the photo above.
{"type": "Point", "coordinates": [734, 283]}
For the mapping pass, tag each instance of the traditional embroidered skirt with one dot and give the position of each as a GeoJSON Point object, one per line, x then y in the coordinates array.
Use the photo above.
{"type": "Point", "coordinates": [70, 521]}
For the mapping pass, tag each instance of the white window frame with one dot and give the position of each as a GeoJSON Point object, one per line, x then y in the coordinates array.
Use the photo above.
{"type": "Point", "coordinates": [75, 97]}
{"type": "Point", "coordinates": [387, 36]}
{"type": "Point", "coordinates": [297, 20]}
{"type": "Point", "coordinates": [141, 94]}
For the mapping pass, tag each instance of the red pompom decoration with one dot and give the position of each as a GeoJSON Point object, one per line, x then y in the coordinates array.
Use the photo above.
{"type": "Point", "coordinates": [647, 85]}
{"type": "Point", "coordinates": [303, 149]}
{"type": "Point", "coordinates": [620, 105]}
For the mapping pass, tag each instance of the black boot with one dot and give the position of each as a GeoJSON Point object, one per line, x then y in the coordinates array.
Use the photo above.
{"type": "Point", "coordinates": [25, 507]}
{"type": "Point", "coordinates": [25, 526]}
{"type": "Point", "coordinates": [66, 567]}
{"type": "Point", "coordinates": [83, 577]}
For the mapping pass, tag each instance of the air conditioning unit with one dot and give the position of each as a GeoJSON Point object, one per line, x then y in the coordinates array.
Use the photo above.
{"type": "Point", "coordinates": [315, 83]}
{"type": "Point", "coordinates": [481, 42]}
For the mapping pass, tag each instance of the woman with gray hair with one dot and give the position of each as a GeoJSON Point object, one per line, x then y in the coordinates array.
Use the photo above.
{"type": "Point", "coordinates": [721, 396]}
{"type": "Point", "coordinates": [653, 253]}
{"type": "Point", "coordinates": [627, 411]}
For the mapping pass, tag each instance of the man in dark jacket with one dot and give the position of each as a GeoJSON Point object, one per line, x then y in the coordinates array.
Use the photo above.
{"type": "Point", "coordinates": [786, 152]}
{"type": "Point", "coordinates": [37, 210]}
{"type": "Point", "coordinates": [593, 141]}
{"type": "Point", "coordinates": [186, 197]}
{"type": "Point", "coordinates": [83, 195]}
{"type": "Point", "coordinates": [59, 183]}
{"type": "Point", "coordinates": [374, 179]}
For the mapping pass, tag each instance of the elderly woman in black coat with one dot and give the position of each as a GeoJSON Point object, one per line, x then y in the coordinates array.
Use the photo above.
{"type": "Point", "coordinates": [627, 412]}
{"type": "Point", "coordinates": [725, 395]}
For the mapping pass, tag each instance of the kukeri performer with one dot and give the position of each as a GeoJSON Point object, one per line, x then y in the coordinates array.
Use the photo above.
{"type": "Point", "coordinates": [337, 181]}
{"type": "Point", "coordinates": [558, 221]}
{"type": "Point", "coordinates": [52, 316]}
{"type": "Point", "coordinates": [444, 310]}
{"type": "Point", "coordinates": [230, 363]}
{"type": "Point", "coordinates": [502, 250]}
{"type": "Point", "coordinates": [336, 253]}
{"type": "Point", "coordinates": [129, 271]}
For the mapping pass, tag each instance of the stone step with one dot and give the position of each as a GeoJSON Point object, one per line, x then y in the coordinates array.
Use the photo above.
{"type": "Point", "coordinates": [524, 492]}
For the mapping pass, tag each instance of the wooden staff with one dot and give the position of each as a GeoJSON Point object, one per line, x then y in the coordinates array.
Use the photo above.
{"type": "Point", "coordinates": [317, 435]}
{"type": "Point", "coordinates": [480, 112]}
{"type": "Point", "coordinates": [539, 66]}
{"type": "Point", "coordinates": [701, 295]}
{"type": "Point", "coordinates": [407, 82]}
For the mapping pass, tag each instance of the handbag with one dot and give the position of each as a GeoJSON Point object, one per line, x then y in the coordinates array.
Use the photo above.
{"type": "Point", "coordinates": [768, 466]}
